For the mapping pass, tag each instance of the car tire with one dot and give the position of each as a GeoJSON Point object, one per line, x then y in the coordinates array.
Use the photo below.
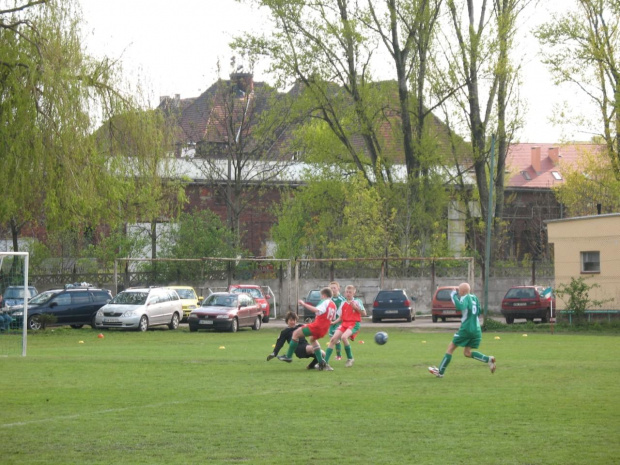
{"type": "Point", "coordinates": [76, 326]}
{"type": "Point", "coordinates": [434, 318]}
{"type": "Point", "coordinates": [234, 326]}
{"type": "Point", "coordinates": [509, 320]}
{"type": "Point", "coordinates": [409, 318]}
{"type": "Point", "coordinates": [33, 323]}
{"type": "Point", "coordinates": [143, 325]}
{"type": "Point", "coordinates": [375, 319]}
{"type": "Point", "coordinates": [257, 323]}
{"type": "Point", "coordinates": [93, 321]}
{"type": "Point", "coordinates": [174, 323]}
{"type": "Point", "coordinates": [193, 329]}
{"type": "Point", "coordinates": [266, 319]}
{"type": "Point", "coordinates": [547, 317]}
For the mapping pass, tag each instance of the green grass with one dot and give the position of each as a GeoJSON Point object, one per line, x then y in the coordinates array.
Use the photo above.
{"type": "Point", "coordinates": [174, 397]}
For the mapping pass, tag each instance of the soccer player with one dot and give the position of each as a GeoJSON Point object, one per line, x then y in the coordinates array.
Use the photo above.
{"type": "Point", "coordinates": [469, 334]}
{"type": "Point", "coordinates": [349, 324]}
{"type": "Point", "coordinates": [338, 299]}
{"type": "Point", "coordinates": [304, 350]}
{"type": "Point", "coordinates": [324, 311]}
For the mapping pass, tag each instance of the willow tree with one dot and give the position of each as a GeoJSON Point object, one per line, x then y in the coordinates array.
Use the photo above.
{"type": "Point", "coordinates": [582, 48]}
{"type": "Point", "coordinates": [52, 97]}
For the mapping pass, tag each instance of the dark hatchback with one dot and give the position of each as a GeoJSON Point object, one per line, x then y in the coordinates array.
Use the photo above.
{"type": "Point", "coordinates": [392, 304]}
{"type": "Point", "coordinates": [73, 306]}
{"type": "Point", "coordinates": [313, 298]}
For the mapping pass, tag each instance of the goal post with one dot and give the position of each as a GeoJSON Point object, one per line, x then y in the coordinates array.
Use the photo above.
{"type": "Point", "coordinates": [8, 338]}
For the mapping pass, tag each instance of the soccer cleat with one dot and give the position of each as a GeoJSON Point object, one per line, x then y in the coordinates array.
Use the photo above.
{"type": "Point", "coordinates": [349, 363]}
{"type": "Point", "coordinates": [338, 357]}
{"type": "Point", "coordinates": [322, 365]}
{"type": "Point", "coordinates": [435, 372]}
{"type": "Point", "coordinates": [492, 365]}
{"type": "Point", "coordinates": [312, 366]}
{"type": "Point", "coordinates": [270, 356]}
{"type": "Point", "coordinates": [284, 358]}
{"type": "Point", "coordinates": [327, 368]}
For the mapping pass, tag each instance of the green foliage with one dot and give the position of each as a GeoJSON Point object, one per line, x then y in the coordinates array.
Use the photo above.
{"type": "Point", "coordinates": [196, 235]}
{"type": "Point", "coordinates": [576, 296]}
{"type": "Point", "coordinates": [46, 319]}
{"type": "Point", "coordinates": [114, 245]}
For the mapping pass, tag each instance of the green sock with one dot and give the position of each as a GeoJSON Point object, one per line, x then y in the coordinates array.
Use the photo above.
{"type": "Point", "coordinates": [318, 354]}
{"type": "Point", "coordinates": [291, 348]}
{"type": "Point", "coordinates": [347, 349]}
{"type": "Point", "coordinates": [328, 353]}
{"type": "Point", "coordinates": [339, 349]}
{"type": "Point", "coordinates": [480, 357]}
{"type": "Point", "coordinates": [444, 363]}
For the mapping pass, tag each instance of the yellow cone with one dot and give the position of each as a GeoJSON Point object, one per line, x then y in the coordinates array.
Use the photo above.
{"type": "Point", "coordinates": [222, 347]}
{"type": "Point", "coordinates": [497, 337]}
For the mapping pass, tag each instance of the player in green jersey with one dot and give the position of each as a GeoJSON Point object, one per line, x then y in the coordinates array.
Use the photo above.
{"type": "Point", "coordinates": [338, 299]}
{"type": "Point", "coordinates": [469, 334]}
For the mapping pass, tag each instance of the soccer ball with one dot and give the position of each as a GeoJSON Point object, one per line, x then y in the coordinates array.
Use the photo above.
{"type": "Point", "coordinates": [381, 337]}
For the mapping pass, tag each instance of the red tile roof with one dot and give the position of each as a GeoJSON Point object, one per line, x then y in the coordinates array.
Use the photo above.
{"type": "Point", "coordinates": [519, 161]}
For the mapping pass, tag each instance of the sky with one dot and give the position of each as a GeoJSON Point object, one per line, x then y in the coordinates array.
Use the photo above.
{"type": "Point", "coordinates": [174, 48]}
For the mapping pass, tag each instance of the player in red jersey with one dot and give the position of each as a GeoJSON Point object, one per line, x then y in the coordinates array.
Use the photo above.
{"type": "Point", "coordinates": [324, 311]}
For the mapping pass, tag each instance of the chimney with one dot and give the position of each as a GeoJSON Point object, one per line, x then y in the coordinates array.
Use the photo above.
{"type": "Point", "coordinates": [536, 159]}
{"type": "Point", "coordinates": [244, 82]}
{"type": "Point", "coordinates": [554, 154]}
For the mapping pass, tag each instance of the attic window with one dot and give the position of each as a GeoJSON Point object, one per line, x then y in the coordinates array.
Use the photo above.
{"type": "Point", "coordinates": [556, 175]}
{"type": "Point", "coordinates": [526, 175]}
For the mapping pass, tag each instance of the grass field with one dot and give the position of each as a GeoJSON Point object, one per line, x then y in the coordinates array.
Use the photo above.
{"type": "Point", "coordinates": [174, 397]}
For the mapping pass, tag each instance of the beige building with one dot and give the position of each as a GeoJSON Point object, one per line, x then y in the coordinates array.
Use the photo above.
{"type": "Point", "coordinates": [588, 247]}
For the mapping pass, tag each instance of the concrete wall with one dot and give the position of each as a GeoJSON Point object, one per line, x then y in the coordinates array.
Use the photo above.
{"type": "Point", "coordinates": [420, 288]}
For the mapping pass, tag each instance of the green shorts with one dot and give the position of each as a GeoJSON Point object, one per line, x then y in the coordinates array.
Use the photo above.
{"type": "Point", "coordinates": [467, 340]}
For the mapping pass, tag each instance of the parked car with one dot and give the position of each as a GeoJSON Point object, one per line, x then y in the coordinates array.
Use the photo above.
{"type": "Point", "coordinates": [189, 299]}
{"type": "Point", "coordinates": [392, 304]}
{"type": "Point", "coordinates": [256, 292]}
{"type": "Point", "coordinates": [526, 302]}
{"type": "Point", "coordinates": [14, 295]}
{"type": "Point", "coordinates": [75, 305]}
{"type": "Point", "coordinates": [442, 305]}
{"type": "Point", "coordinates": [227, 311]}
{"type": "Point", "coordinates": [140, 308]}
{"type": "Point", "coordinates": [313, 298]}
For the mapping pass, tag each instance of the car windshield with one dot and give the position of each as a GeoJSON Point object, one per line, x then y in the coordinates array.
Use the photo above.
{"type": "Point", "coordinates": [220, 301]}
{"type": "Point", "coordinates": [130, 298]}
{"type": "Point", "coordinates": [186, 293]}
{"type": "Point", "coordinates": [247, 290]}
{"type": "Point", "coordinates": [314, 295]}
{"type": "Point", "coordinates": [521, 293]}
{"type": "Point", "coordinates": [16, 293]}
{"type": "Point", "coordinates": [43, 297]}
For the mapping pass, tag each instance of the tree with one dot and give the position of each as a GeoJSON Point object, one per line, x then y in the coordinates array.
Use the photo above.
{"type": "Point", "coordinates": [583, 49]}
{"type": "Point", "coordinates": [484, 79]}
{"type": "Point", "coordinates": [196, 235]}
{"type": "Point", "coordinates": [334, 216]}
{"type": "Point", "coordinates": [589, 184]}
{"type": "Point", "coordinates": [54, 169]}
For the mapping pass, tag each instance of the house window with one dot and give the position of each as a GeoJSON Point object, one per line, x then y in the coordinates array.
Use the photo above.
{"type": "Point", "coordinates": [590, 262]}
{"type": "Point", "coordinates": [556, 175]}
{"type": "Point", "coordinates": [526, 175]}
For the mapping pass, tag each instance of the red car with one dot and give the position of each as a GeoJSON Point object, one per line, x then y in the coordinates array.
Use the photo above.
{"type": "Point", "coordinates": [226, 311]}
{"type": "Point", "coordinates": [526, 302]}
{"type": "Point", "coordinates": [442, 305]}
{"type": "Point", "coordinates": [257, 294]}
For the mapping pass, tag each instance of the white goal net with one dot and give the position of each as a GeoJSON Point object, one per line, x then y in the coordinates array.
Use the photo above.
{"type": "Point", "coordinates": [14, 275]}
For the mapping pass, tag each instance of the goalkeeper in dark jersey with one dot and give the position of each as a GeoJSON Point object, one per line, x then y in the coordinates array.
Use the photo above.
{"type": "Point", "coordinates": [303, 350]}
{"type": "Point", "coordinates": [469, 334]}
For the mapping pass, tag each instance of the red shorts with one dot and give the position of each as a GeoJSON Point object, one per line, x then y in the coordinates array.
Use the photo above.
{"type": "Point", "coordinates": [317, 330]}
